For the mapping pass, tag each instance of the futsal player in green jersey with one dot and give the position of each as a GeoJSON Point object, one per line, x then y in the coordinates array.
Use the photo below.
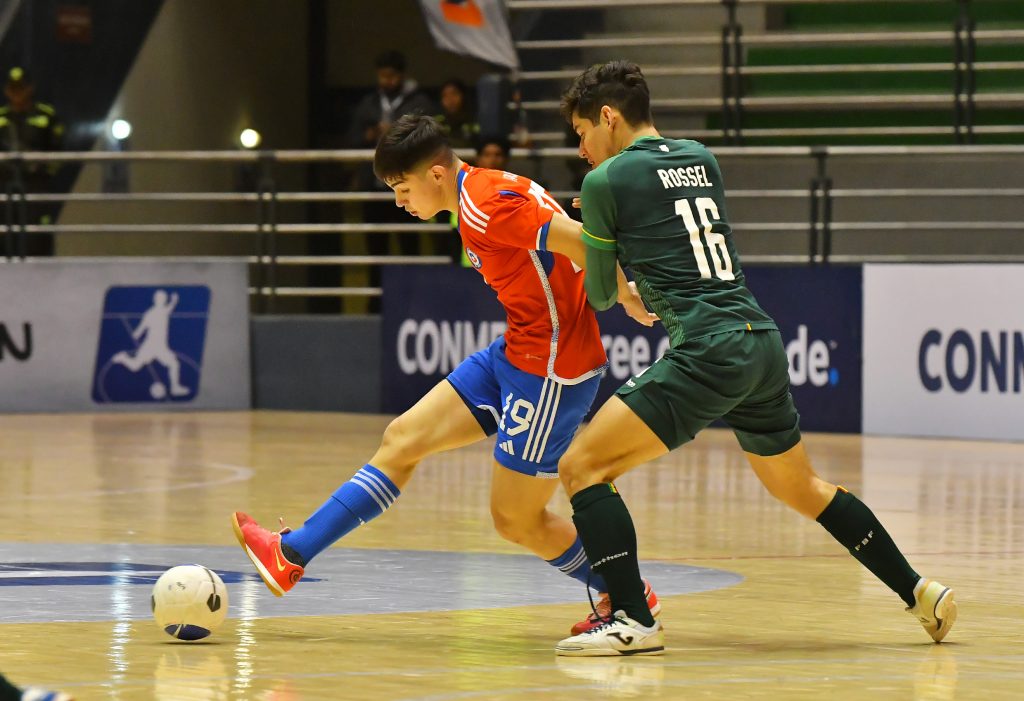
{"type": "Point", "coordinates": [657, 206]}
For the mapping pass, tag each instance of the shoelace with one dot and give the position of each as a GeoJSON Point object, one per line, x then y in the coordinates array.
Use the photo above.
{"type": "Point", "coordinates": [284, 528]}
{"type": "Point", "coordinates": [595, 616]}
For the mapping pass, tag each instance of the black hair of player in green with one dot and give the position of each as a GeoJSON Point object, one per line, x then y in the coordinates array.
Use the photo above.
{"type": "Point", "coordinates": [412, 141]}
{"type": "Point", "coordinates": [618, 84]}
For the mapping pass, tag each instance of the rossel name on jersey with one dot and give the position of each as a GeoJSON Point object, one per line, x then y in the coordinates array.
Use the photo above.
{"type": "Point", "coordinates": [992, 361]}
{"type": "Point", "coordinates": [428, 347]}
{"type": "Point", "coordinates": [693, 176]}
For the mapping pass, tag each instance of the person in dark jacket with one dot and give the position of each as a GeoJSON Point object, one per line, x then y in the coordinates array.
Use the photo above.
{"type": "Point", "coordinates": [29, 125]}
{"type": "Point", "coordinates": [456, 117]}
{"type": "Point", "coordinates": [395, 96]}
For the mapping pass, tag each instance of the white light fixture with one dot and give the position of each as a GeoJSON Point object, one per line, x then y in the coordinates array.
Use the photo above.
{"type": "Point", "coordinates": [249, 138]}
{"type": "Point", "coordinates": [120, 129]}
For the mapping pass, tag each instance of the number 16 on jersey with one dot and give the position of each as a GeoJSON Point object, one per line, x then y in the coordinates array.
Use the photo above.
{"type": "Point", "coordinates": [715, 242]}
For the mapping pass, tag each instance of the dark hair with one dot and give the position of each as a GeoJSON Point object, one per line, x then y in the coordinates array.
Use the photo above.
{"type": "Point", "coordinates": [457, 84]}
{"type": "Point", "coordinates": [409, 142]}
{"type": "Point", "coordinates": [500, 141]}
{"type": "Point", "coordinates": [391, 59]}
{"type": "Point", "coordinates": [618, 84]}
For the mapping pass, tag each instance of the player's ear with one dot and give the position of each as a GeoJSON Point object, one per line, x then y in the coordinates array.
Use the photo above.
{"type": "Point", "coordinates": [608, 116]}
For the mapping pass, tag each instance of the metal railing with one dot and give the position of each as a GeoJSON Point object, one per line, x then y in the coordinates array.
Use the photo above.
{"type": "Point", "coordinates": [818, 197]}
{"type": "Point", "coordinates": [733, 102]}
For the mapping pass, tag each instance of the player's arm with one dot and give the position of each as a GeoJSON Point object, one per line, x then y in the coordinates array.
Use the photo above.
{"type": "Point", "coordinates": [599, 214]}
{"type": "Point", "coordinates": [605, 282]}
{"type": "Point", "coordinates": [565, 236]}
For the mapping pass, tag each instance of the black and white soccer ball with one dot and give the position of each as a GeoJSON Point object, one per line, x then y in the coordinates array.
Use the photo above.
{"type": "Point", "coordinates": [189, 602]}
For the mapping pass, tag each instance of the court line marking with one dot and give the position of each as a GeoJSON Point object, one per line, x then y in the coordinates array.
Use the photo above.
{"type": "Point", "coordinates": [238, 473]}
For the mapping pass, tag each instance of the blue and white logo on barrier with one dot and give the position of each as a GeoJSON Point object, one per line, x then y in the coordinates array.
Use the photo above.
{"type": "Point", "coordinates": [151, 344]}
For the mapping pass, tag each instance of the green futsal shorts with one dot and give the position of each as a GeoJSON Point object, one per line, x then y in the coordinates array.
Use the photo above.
{"type": "Point", "coordinates": [741, 377]}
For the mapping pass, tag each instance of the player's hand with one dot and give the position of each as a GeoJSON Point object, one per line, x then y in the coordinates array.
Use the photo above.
{"type": "Point", "coordinates": [577, 203]}
{"type": "Point", "coordinates": [635, 308]}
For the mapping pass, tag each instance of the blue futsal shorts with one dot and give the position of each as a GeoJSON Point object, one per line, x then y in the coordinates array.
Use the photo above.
{"type": "Point", "coordinates": [535, 417]}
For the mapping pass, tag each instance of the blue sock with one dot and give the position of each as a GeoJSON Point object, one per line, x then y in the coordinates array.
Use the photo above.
{"type": "Point", "coordinates": [574, 563]}
{"type": "Point", "coordinates": [364, 497]}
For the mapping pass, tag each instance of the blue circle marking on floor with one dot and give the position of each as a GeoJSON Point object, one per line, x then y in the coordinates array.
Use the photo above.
{"type": "Point", "coordinates": [71, 582]}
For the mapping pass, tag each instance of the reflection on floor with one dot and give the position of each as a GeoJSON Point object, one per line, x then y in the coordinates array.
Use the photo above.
{"type": "Point", "coordinates": [429, 603]}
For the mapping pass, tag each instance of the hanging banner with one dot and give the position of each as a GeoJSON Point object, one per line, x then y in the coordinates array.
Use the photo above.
{"type": "Point", "coordinates": [476, 28]}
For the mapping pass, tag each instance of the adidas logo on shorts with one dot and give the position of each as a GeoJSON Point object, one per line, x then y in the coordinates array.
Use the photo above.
{"type": "Point", "coordinates": [507, 447]}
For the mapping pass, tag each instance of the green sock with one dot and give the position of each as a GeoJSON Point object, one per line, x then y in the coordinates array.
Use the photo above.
{"type": "Point", "coordinates": [853, 524]}
{"type": "Point", "coordinates": [609, 539]}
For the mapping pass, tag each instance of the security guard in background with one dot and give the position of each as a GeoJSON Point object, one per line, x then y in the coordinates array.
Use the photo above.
{"type": "Point", "coordinates": [27, 125]}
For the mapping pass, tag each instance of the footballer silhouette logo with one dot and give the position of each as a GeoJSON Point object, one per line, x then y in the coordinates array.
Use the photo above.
{"type": "Point", "coordinates": [151, 344]}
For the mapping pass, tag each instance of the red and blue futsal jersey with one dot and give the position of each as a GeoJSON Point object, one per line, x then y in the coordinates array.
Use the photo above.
{"type": "Point", "coordinates": [552, 330]}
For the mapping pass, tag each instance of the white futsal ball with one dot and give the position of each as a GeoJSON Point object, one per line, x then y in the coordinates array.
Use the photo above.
{"type": "Point", "coordinates": [189, 602]}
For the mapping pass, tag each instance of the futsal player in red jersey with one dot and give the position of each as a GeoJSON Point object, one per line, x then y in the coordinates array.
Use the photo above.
{"type": "Point", "coordinates": [532, 386]}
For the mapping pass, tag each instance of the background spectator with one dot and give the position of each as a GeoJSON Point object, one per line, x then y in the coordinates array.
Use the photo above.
{"type": "Point", "coordinates": [396, 95]}
{"type": "Point", "coordinates": [28, 125]}
{"type": "Point", "coordinates": [456, 117]}
{"type": "Point", "coordinates": [492, 152]}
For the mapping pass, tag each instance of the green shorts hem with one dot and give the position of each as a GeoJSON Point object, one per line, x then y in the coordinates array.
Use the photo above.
{"type": "Point", "coordinates": [651, 415]}
{"type": "Point", "coordinates": [768, 444]}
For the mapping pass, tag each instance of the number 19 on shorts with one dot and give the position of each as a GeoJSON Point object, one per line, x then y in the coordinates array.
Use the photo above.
{"type": "Point", "coordinates": [716, 247]}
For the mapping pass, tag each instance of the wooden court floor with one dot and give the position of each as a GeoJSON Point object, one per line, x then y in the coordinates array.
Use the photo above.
{"type": "Point", "coordinates": [805, 622]}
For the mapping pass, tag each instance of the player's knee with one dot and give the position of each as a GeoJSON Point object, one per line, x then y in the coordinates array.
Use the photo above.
{"type": "Point", "coordinates": [578, 471]}
{"type": "Point", "coordinates": [514, 527]}
{"type": "Point", "coordinates": [402, 443]}
{"type": "Point", "coordinates": [802, 493]}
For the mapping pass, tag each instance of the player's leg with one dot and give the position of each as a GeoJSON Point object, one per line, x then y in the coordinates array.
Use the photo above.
{"type": "Point", "coordinates": [615, 441]}
{"type": "Point", "coordinates": [659, 410]}
{"type": "Point", "coordinates": [437, 422]}
{"type": "Point", "coordinates": [539, 418]}
{"type": "Point", "coordinates": [767, 426]}
{"type": "Point", "coordinates": [451, 415]}
{"type": "Point", "coordinates": [520, 514]}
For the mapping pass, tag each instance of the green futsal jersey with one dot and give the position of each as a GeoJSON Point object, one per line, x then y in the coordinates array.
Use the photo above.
{"type": "Point", "coordinates": [660, 205]}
